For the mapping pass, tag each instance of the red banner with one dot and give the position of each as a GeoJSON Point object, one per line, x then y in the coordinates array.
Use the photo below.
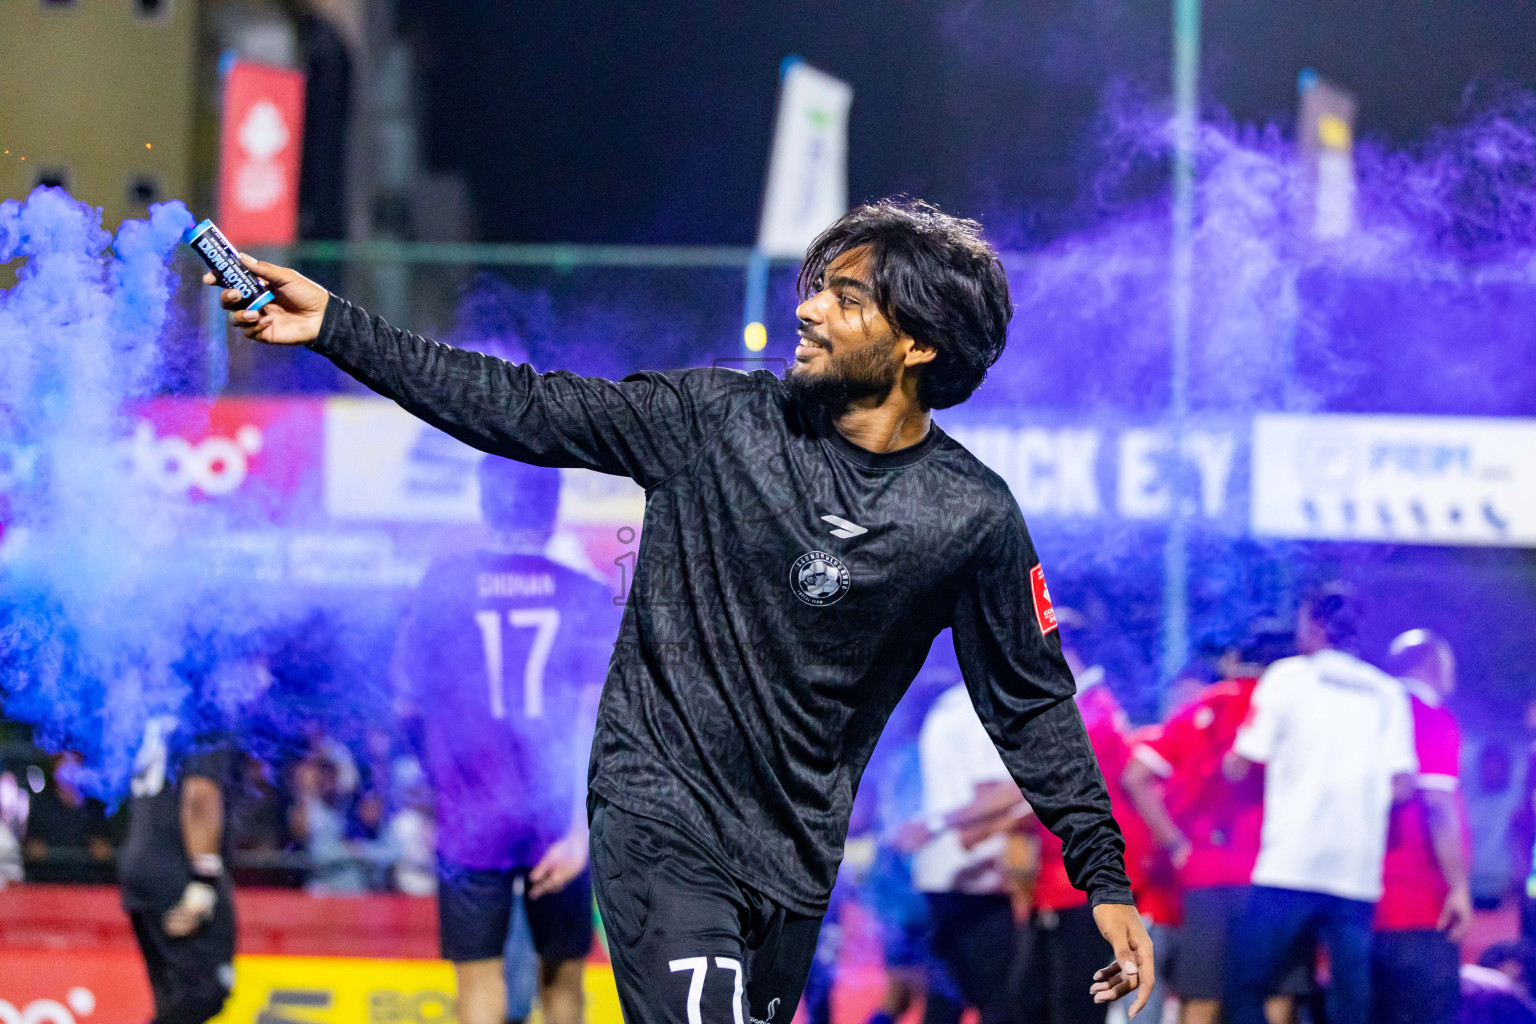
{"type": "Point", "coordinates": [260, 457]}
{"type": "Point", "coordinates": [259, 156]}
{"type": "Point", "coordinates": [53, 919]}
{"type": "Point", "coordinates": [46, 986]}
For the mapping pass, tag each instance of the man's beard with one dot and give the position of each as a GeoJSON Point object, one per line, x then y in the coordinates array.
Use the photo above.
{"type": "Point", "coordinates": [864, 374]}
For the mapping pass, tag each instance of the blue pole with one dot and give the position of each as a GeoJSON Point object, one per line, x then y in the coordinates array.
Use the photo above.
{"type": "Point", "coordinates": [754, 330]}
{"type": "Point", "coordinates": [1186, 73]}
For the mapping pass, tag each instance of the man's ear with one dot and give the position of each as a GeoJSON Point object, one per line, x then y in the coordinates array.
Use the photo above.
{"type": "Point", "coordinates": [918, 352]}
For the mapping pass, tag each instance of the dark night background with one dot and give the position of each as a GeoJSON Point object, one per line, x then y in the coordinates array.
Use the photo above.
{"type": "Point", "coordinates": [651, 123]}
{"type": "Point", "coordinates": [590, 121]}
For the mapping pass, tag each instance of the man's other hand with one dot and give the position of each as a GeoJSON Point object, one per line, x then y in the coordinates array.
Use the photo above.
{"type": "Point", "coordinates": [1121, 927]}
{"type": "Point", "coordinates": [1456, 915]}
{"type": "Point", "coordinates": [293, 316]}
{"type": "Point", "coordinates": [912, 836]}
{"type": "Point", "coordinates": [193, 909]}
{"type": "Point", "coordinates": [559, 866]}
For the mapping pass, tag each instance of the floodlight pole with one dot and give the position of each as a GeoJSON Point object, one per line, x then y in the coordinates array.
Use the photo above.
{"type": "Point", "coordinates": [1186, 120]}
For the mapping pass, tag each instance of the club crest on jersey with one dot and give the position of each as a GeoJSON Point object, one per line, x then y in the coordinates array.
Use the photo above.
{"type": "Point", "coordinates": [818, 578]}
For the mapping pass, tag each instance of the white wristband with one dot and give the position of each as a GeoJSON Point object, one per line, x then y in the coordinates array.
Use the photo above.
{"type": "Point", "coordinates": [207, 865]}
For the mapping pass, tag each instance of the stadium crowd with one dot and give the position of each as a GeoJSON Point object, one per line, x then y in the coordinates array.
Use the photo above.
{"type": "Point", "coordinates": [968, 894]}
{"type": "Point", "coordinates": [331, 819]}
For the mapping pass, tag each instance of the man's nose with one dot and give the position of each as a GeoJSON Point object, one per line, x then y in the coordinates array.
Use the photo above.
{"type": "Point", "coordinates": [807, 310]}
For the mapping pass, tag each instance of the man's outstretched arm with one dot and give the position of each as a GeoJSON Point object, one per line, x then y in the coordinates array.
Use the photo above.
{"type": "Point", "coordinates": [643, 427]}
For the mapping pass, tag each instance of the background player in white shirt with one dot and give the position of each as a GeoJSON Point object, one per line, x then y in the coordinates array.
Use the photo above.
{"type": "Point", "coordinates": [969, 803]}
{"type": "Point", "coordinates": [1335, 736]}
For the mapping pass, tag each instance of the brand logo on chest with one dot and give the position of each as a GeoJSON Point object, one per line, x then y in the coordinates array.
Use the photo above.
{"type": "Point", "coordinates": [843, 528]}
{"type": "Point", "coordinates": [818, 578]}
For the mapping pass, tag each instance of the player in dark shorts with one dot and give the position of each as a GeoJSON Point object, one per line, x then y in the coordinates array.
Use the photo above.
{"type": "Point", "coordinates": [500, 661]}
{"type": "Point", "coordinates": [174, 885]}
{"type": "Point", "coordinates": [806, 538]}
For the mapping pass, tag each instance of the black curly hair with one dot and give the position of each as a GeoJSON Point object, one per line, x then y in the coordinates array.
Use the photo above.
{"type": "Point", "coordinates": [936, 279]}
{"type": "Point", "coordinates": [518, 496]}
{"type": "Point", "coordinates": [1335, 607]}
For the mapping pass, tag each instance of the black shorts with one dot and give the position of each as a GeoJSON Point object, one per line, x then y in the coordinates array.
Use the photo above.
{"type": "Point", "coordinates": [1198, 969]}
{"type": "Point", "coordinates": [1071, 949]}
{"type": "Point", "coordinates": [190, 977]}
{"type": "Point", "coordinates": [474, 911]}
{"type": "Point", "coordinates": [973, 937]}
{"type": "Point", "coordinates": [689, 943]}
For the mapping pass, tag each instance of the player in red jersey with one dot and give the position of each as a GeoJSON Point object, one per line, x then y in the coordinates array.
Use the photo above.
{"type": "Point", "coordinates": [1154, 877]}
{"type": "Point", "coordinates": [1208, 827]}
{"type": "Point", "coordinates": [1070, 943]}
{"type": "Point", "coordinates": [1426, 901]}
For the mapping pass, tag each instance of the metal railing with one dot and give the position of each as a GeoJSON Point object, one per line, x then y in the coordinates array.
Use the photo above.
{"type": "Point", "coordinates": [287, 868]}
{"type": "Point", "coordinates": [520, 254]}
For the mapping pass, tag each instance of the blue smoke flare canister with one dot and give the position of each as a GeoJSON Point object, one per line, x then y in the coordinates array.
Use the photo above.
{"type": "Point", "coordinates": [224, 260]}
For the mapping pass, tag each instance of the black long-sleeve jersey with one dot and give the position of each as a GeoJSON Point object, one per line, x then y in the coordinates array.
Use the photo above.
{"type": "Point", "coordinates": [788, 588]}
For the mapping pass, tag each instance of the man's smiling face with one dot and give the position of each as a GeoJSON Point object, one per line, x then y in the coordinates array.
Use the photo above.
{"type": "Point", "coordinates": [848, 349]}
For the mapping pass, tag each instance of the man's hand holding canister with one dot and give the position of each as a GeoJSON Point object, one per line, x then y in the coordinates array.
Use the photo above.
{"type": "Point", "coordinates": [294, 315]}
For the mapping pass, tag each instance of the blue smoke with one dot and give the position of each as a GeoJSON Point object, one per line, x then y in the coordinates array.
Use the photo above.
{"type": "Point", "coordinates": [86, 652]}
{"type": "Point", "coordinates": [110, 613]}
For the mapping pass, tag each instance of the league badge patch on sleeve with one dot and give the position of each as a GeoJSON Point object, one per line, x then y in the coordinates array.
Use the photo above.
{"type": "Point", "coordinates": [1044, 613]}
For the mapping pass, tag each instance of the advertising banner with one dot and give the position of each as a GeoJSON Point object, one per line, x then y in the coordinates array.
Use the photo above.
{"type": "Point", "coordinates": [808, 170]}
{"type": "Point", "coordinates": [1081, 473]}
{"type": "Point", "coordinates": [384, 465]}
{"type": "Point", "coordinates": [110, 987]}
{"type": "Point", "coordinates": [343, 990]}
{"type": "Point", "coordinates": [259, 151]}
{"type": "Point", "coordinates": [261, 458]}
{"type": "Point", "coordinates": [1401, 479]}
{"type": "Point", "coordinates": [354, 492]}
{"type": "Point", "coordinates": [54, 986]}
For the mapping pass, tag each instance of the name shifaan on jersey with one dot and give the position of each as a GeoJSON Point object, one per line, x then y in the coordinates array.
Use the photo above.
{"type": "Point", "coordinates": [495, 654]}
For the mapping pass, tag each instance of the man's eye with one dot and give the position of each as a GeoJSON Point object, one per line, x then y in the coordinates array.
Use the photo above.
{"type": "Point", "coordinates": [847, 301]}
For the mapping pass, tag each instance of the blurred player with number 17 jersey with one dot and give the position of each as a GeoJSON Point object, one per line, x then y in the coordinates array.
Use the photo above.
{"type": "Point", "coordinates": [500, 660]}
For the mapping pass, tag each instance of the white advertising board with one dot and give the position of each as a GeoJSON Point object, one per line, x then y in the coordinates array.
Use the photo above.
{"type": "Point", "coordinates": [1403, 479]}
{"type": "Point", "coordinates": [384, 465]}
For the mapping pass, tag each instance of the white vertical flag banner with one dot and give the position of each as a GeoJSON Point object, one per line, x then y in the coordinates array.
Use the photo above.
{"type": "Point", "coordinates": [808, 170]}
{"type": "Point", "coordinates": [1327, 142]}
